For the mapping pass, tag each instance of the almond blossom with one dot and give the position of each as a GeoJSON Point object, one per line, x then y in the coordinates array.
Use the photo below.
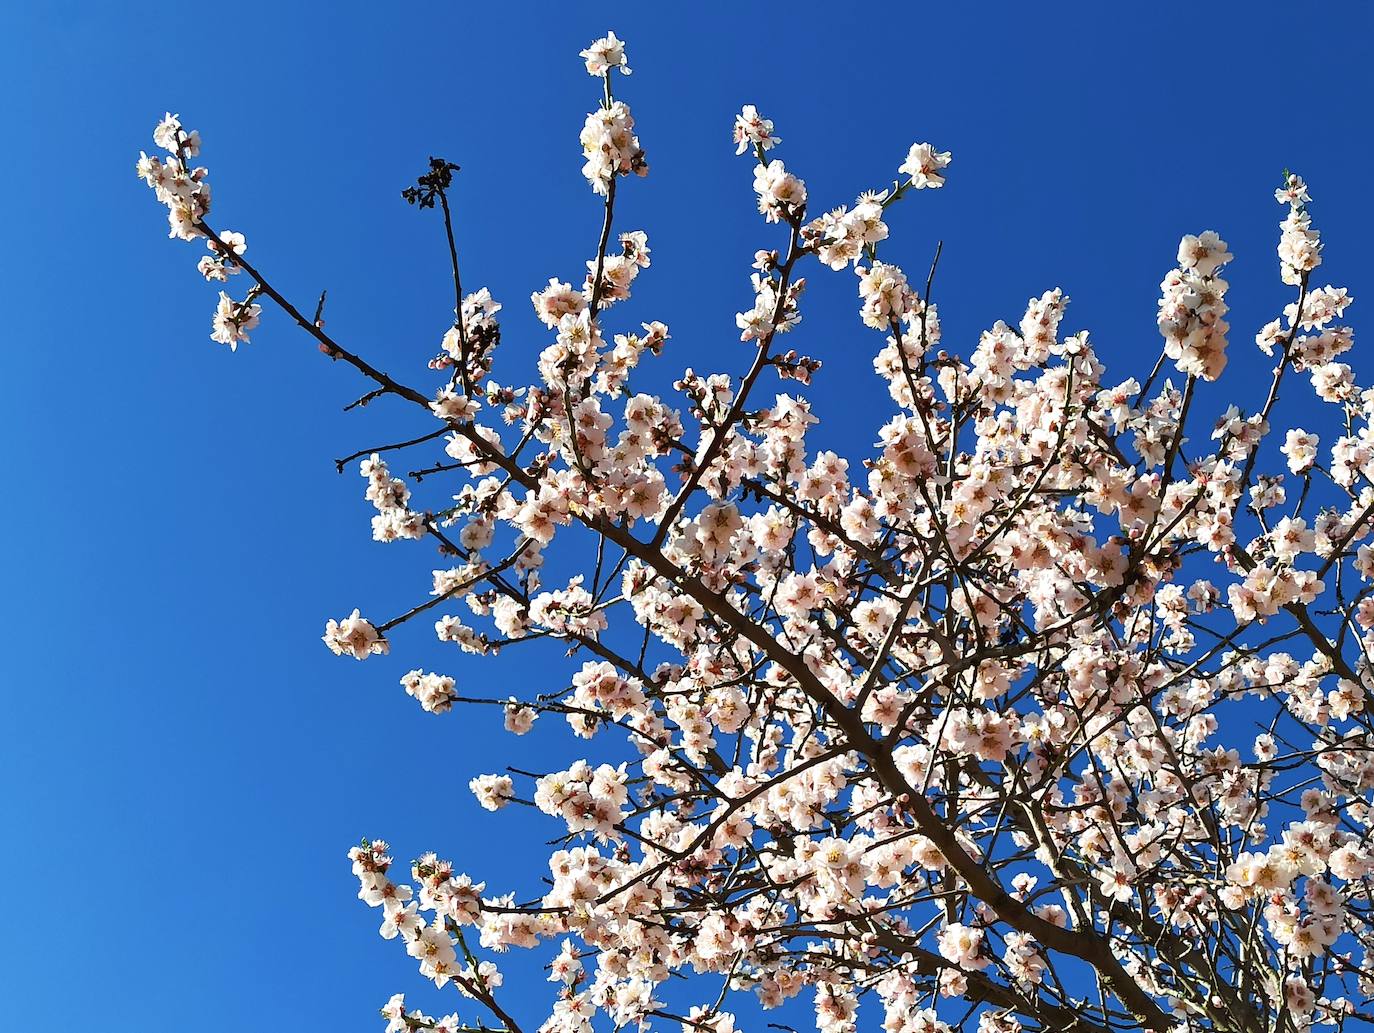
{"type": "Point", "coordinates": [1050, 710]}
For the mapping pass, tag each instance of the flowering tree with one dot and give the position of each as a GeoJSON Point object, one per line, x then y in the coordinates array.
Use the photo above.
{"type": "Point", "coordinates": [1031, 720]}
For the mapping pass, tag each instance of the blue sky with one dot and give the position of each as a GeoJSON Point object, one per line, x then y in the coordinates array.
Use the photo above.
{"type": "Point", "coordinates": [185, 763]}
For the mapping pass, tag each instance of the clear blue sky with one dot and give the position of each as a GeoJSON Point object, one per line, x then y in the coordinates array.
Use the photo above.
{"type": "Point", "coordinates": [185, 764]}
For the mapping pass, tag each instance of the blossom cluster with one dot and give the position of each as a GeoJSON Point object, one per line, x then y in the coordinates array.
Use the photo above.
{"type": "Point", "coordinates": [1191, 310]}
{"type": "Point", "coordinates": [609, 144]}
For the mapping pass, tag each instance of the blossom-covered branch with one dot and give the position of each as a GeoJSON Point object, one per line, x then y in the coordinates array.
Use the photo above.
{"type": "Point", "coordinates": [1053, 712]}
